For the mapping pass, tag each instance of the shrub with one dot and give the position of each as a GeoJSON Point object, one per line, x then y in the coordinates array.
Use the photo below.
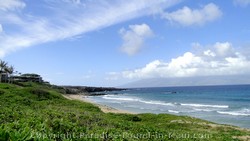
{"type": "Point", "coordinates": [41, 94]}
{"type": "Point", "coordinates": [27, 101]}
{"type": "Point", "coordinates": [136, 118]}
{"type": "Point", "coordinates": [2, 92]}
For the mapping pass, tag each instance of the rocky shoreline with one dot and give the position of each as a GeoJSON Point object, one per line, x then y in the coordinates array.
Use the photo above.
{"type": "Point", "coordinates": [89, 91]}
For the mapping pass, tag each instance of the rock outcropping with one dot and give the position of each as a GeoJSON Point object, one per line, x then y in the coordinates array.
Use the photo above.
{"type": "Point", "coordinates": [89, 90]}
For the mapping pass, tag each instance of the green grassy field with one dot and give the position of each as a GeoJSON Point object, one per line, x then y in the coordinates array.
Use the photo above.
{"type": "Point", "coordinates": [38, 112]}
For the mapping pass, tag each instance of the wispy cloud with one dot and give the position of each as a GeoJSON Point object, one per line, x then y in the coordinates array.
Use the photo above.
{"type": "Point", "coordinates": [73, 1]}
{"type": "Point", "coordinates": [112, 76]}
{"type": "Point", "coordinates": [11, 5]}
{"type": "Point", "coordinates": [188, 17]}
{"type": "Point", "coordinates": [65, 19]}
{"type": "Point", "coordinates": [134, 37]}
{"type": "Point", "coordinates": [218, 59]}
{"type": "Point", "coordinates": [1, 28]}
{"type": "Point", "coordinates": [243, 3]}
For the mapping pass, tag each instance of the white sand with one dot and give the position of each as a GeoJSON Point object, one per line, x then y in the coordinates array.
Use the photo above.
{"type": "Point", "coordinates": [104, 108]}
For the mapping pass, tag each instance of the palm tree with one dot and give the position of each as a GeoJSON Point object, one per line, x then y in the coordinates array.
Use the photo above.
{"type": "Point", "coordinates": [10, 71]}
{"type": "Point", "coordinates": [3, 65]}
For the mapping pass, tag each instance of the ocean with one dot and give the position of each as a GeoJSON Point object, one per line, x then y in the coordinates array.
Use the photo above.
{"type": "Point", "coordinates": [220, 104]}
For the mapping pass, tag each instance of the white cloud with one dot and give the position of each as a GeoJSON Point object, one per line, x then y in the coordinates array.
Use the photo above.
{"type": "Point", "coordinates": [112, 76]}
{"type": "Point", "coordinates": [134, 37]}
{"type": "Point", "coordinates": [73, 1]}
{"type": "Point", "coordinates": [76, 18]}
{"type": "Point", "coordinates": [1, 28]}
{"type": "Point", "coordinates": [242, 2]}
{"type": "Point", "coordinates": [188, 17]}
{"type": "Point", "coordinates": [224, 49]}
{"type": "Point", "coordinates": [218, 59]}
{"type": "Point", "coordinates": [11, 4]}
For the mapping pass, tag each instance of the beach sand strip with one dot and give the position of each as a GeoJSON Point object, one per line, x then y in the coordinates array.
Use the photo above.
{"type": "Point", "coordinates": [104, 108]}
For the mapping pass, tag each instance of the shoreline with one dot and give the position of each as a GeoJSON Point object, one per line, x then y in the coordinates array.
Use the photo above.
{"type": "Point", "coordinates": [104, 108]}
{"type": "Point", "coordinates": [108, 109]}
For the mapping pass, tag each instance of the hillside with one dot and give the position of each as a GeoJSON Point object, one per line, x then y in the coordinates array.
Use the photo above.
{"type": "Point", "coordinates": [31, 111]}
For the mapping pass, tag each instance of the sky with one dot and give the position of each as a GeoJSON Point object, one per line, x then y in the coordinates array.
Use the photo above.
{"type": "Point", "coordinates": [115, 42]}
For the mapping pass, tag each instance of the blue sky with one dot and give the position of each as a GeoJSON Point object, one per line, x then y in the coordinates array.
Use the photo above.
{"type": "Point", "coordinates": [114, 42]}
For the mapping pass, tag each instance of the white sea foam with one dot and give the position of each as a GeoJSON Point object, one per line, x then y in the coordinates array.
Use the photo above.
{"type": "Point", "coordinates": [233, 113]}
{"type": "Point", "coordinates": [243, 112]}
{"type": "Point", "coordinates": [137, 100]}
{"type": "Point", "coordinates": [203, 110]}
{"type": "Point", "coordinates": [173, 111]}
{"type": "Point", "coordinates": [204, 105]}
{"type": "Point", "coordinates": [120, 98]}
{"type": "Point", "coordinates": [157, 103]}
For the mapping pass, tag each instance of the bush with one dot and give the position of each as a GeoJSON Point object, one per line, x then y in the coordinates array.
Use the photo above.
{"type": "Point", "coordinates": [27, 101]}
{"type": "Point", "coordinates": [41, 94]}
{"type": "Point", "coordinates": [2, 92]}
{"type": "Point", "coordinates": [136, 118]}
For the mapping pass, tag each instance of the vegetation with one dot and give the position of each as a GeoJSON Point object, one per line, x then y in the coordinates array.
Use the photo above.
{"type": "Point", "coordinates": [31, 111]}
{"type": "Point", "coordinates": [5, 69]}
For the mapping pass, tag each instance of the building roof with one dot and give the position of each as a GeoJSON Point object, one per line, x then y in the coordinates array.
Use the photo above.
{"type": "Point", "coordinates": [30, 75]}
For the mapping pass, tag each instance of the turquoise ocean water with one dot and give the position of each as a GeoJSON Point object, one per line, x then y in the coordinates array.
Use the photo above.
{"type": "Point", "coordinates": [220, 104]}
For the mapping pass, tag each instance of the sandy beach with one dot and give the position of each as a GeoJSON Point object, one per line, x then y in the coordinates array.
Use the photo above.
{"type": "Point", "coordinates": [104, 108]}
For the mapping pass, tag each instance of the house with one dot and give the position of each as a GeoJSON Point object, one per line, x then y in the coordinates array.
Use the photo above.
{"type": "Point", "coordinates": [28, 77]}
{"type": "Point", "coordinates": [4, 77]}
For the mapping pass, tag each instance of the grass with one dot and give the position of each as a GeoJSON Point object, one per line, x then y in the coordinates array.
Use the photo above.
{"type": "Point", "coordinates": [33, 111]}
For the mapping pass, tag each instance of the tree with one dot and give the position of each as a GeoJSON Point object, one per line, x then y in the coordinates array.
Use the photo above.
{"type": "Point", "coordinates": [3, 66]}
{"type": "Point", "coordinates": [10, 71]}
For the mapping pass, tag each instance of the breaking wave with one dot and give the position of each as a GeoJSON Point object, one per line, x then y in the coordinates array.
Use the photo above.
{"type": "Point", "coordinates": [204, 105]}
{"type": "Point", "coordinates": [244, 112]}
{"type": "Point", "coordinates": [173, 111]}
{"type": "Point", "coordinates": [138, 100]}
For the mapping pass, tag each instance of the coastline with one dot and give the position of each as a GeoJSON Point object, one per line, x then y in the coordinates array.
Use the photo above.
{"type": "Point", "coordinates": [107, 109]}
{"type": "Point", "coordinates": [44, 114]}
{"type": "Point", "coordinates": [104, 108]}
